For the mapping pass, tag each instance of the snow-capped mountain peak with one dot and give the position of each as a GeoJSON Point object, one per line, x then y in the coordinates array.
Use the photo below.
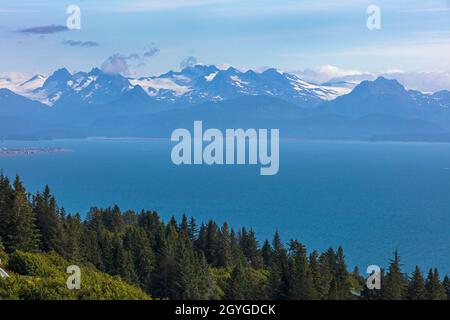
{"type": "Point", "coordinates": [193, 84]}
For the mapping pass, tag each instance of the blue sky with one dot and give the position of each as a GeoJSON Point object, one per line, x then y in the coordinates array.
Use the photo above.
{"type": "Point", "coordinates": [290, 35]}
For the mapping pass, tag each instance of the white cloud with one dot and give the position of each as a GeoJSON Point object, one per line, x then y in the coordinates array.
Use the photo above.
{"type": "Point", "coordinates": [122, 64]}
{"type": "Point", "coordinates": [422, 81]}
{"type": "Point", "coordinates": [188, 62]}
{"type": "Point", "coordinates": [240, 6]}
{"type": "Point", "coordinates": [325, 73]}
{"type": "Point", "coordinates": [162, 5]}
{"type": "Point", "coordinates": [439, 9]}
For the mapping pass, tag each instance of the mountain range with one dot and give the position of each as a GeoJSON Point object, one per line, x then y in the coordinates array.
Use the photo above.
{"type": "Point", "coordinates": [96, 103]}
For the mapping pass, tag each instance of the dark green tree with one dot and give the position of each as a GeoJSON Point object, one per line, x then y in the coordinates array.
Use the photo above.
{"type": "Point", "coordinates": [239, 285]}
{"type": "Point", "coordinates": [394, 286]}
{"type": "Point", "coordinates": [301, 284]}
{"type": "Point", "coordinates": [73, 235]}
{"type": "Point", "coordinates": [416, 286]}
{"type": "Point", "coordinates": [184, 226]}
{"type": "Point", "coordinates": [122, 263]}
{"type": "Point", "coordinates": [446, 284]}
{"type": "Point", "coordinates": [6, 204]}
{"type": "Point", "coordinates": [435, 289]}
{"type": "Point", "coordinates": [225, 250]}
{"type": "Point", "coordinates": [192, 229]}
{"type": "Point", "coordinates": [190, 277]}
{"type": "Point", "coordinates": [279, 271]}
{"type": "Point", "coordinates": [142, 256]}
{"type": "Point", "coordinates": [316, 275]}
{"type": "Point", "coordinates": [49, 222]}
{"type": "Point", "coordinates": [250, 248]}
{"type": "Point", "coordinates": [19, 222]}
{"type": "Point", "coordinates": [342, 277]}
{"type": "Point", "coordinates": [212, 243]}
{"type": "Point", "coordinates": [266, 253]}
{"type": "Point", "coordinates": [165, 275]}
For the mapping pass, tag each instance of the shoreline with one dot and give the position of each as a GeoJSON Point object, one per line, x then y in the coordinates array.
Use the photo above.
{"type": "Point", "coordinates": [14, 152]}
{"type": "Point", "coordinates": [103, 138]}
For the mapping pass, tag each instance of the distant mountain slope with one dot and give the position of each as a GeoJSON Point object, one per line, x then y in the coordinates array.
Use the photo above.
{"type": "Point", "coordinates": [267, 112]}
{"type": "Point", "coordinates": [191, 85]}
{"type": "Point", "coordinates": [99, 104]}
{"type": "Point", "coordinates": [12, 104]}
{"type": "Point", "coordinates": [390, 98]}
{"type": "Point", "coordinates": [208, 83]}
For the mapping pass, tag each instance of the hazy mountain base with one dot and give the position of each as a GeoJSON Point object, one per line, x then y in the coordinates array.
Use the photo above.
{"type": "Point", "coordinates": [378, 110]}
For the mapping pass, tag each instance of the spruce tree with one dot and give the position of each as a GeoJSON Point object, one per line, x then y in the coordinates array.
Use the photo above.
{"type": "Point", "coordinates": [250, 248]}
{"type": "Point", "coordinates": [239, 286]}
{"type": "Point", "coordinates": [20, 222]}
{"type": "Point", "coordinates": [184, 226]}
{"type": "Point", "coordinates": [142, 256]}
{"type": "Point", "coordinates": [48, 222]}
{"type": "Point", "coordinates": [201, 243]}
{"type": "Point", "coordinates": [165, 275]}
{"type": "Point", "coordinates": [357, 280]}
{"type": "Point", "coordinates": [266, 253]}
{"type": "Point", "coordinates": [446, 284]}
{"type": "Point", "coordinates": [341, 274]}
{"type": "Point", "coordinates": [73, 235]}
{"type": "Point", "coordinates": [190, 277]}
{"type": "Point", "coordinates": [225, 250]}
{"type": "Point", "coordinates": [316, 275]}
{"type": "Point", "coordinates": [435, 289]}
{"type": "Point", "coordinates": [212, 238]}
{"type": "Point", "coordinates": [121, 263]}
{"type": "Point", "coordinates": [6, 203]}
{"type": "Point", "coordinates": [279, 271]}
{"type": "Point", "coordinates": [416, 286]}
{"type": "Point", "coordinates": [301, 284]}
{"type": "Point", "coordinates": [395, 285]}
{"type": "Point", "coordinates": [327, 261]}
{"type": "Point", "coordinates": [192, 229]}
{"type": "Point", "coordinates": [90, 247]}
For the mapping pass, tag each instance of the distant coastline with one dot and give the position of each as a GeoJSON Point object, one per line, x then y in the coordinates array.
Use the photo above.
{"type": "Point", "coordinates": [4, 152]}
{"type": "Point", "coordinates": [167, 138]}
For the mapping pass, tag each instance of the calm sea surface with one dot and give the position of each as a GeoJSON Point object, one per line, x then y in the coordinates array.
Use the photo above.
{"type": "Point", "coordinates": [371, 198]}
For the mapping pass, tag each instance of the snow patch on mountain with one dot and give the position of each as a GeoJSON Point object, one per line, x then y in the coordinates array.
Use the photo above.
{"type": "Point", "coordinates": [211, 76]}
{"type": "Point", "coordinates": [154, 85]}
{"type": "Point", "coordinates": [192, 85]}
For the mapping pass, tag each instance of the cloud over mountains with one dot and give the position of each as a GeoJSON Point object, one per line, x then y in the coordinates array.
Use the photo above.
{"type": "Point", "coordinates": [123, 64]}
{"type": "Point", "coordinates": [423, 81]}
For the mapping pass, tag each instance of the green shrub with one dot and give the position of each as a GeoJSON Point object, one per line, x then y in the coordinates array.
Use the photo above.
{"type": "Point", "coordinates": [42, 276]}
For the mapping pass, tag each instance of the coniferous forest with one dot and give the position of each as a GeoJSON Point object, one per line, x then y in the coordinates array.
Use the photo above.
{"type": "Point", "coordinates": [135, 255]}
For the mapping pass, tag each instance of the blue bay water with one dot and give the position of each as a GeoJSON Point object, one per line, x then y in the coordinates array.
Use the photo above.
{"type": "Point", "coordinates": [371, 198]}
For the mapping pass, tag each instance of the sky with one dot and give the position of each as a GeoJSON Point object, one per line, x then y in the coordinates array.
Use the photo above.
{"type": "Point", "coordinates": [138, 37]}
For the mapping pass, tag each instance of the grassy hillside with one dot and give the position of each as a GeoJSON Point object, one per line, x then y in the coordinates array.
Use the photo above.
{"type": "Point", "coordinates": [42, 276]}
